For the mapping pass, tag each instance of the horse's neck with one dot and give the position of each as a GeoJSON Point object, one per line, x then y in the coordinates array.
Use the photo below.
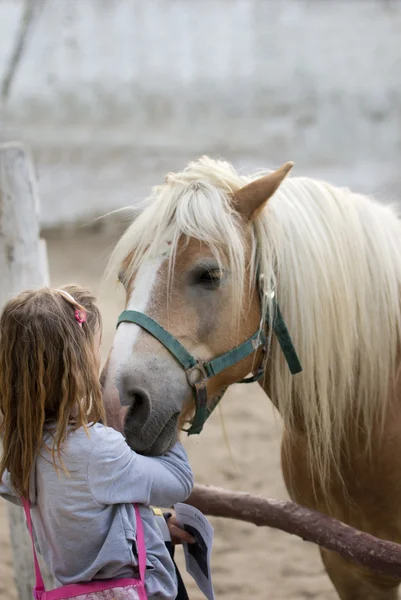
{"type": "Point", "coordinates": [355, 436]}
{"type": "Point", "coordinates": [297, 417]}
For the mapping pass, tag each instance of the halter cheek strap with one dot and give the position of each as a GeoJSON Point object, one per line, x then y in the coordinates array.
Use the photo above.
{"type": "Point", "coordinates": [284, 339]}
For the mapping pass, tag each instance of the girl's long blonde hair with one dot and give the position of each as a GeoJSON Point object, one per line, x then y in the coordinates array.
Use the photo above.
{"type": "Point", "coordinates": [48, 376]}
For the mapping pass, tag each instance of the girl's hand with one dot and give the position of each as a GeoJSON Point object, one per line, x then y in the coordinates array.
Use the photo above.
{"type": "Point", "coordinates": [178, 535]}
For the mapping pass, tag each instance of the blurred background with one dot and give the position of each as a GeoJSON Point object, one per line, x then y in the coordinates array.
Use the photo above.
{"type": "Point", "coordinates": [109, 95]}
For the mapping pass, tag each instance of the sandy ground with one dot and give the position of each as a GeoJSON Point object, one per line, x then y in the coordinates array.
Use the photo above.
{"type": "Point", "coordinates": [247, 562]}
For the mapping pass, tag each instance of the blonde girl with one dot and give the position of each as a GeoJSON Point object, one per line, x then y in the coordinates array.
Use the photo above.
{"type": "Point", "coordinates": [86, 493]}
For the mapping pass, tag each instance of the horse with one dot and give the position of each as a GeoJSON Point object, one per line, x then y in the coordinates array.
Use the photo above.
{"type": "Point", "coordinates": [296, 282]}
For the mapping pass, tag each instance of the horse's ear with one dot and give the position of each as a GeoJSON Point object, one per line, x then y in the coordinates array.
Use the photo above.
{"type": "Point", "coordinates": [251, 199]}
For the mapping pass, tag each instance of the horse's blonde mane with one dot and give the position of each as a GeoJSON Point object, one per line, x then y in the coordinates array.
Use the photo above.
{"type": "Point", "coordinates": [335, 260]}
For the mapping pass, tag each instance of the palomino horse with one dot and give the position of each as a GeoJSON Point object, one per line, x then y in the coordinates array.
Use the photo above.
{"type": "Point", "coordinates": [218, 269]}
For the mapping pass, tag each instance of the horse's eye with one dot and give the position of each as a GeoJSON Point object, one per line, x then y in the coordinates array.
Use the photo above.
{"type": "Point", "coordinates": [208, 278]}
{"type": "Point", "coordinates": [121, 276]}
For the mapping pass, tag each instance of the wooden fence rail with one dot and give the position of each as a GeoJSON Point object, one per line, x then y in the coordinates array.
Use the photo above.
{"type": "Point", "coordinates": [376, 554]}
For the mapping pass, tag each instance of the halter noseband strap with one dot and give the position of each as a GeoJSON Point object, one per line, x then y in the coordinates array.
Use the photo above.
{"type": "Point", "coordinates": [170, 342]}
{"type": "Point", "coordinates": [198, 372]}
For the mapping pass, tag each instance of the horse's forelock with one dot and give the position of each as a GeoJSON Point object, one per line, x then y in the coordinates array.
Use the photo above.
{"type": "Point", "coordinates": [192, 204]}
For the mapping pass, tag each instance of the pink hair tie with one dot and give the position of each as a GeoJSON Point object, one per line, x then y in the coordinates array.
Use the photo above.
{"type": "Point", "coordinates": [80, 316]}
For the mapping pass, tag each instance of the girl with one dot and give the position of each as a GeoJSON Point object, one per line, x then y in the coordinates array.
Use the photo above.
{"type": "Point", "coordinates": [81, 477]}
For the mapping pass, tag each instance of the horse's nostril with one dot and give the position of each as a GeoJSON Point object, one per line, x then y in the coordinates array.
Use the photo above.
{"type": "Point", "coordinates": [138, 401]}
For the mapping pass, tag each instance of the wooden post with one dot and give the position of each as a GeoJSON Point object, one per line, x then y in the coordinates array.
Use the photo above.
{"type": "Point", "coordinates": [23, 265]}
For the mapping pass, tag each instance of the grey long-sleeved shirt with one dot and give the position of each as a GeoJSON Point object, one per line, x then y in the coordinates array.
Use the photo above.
{"type": "Point", "coordinates": [84, 522]}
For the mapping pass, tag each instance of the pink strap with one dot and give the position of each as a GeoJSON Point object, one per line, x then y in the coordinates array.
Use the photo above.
{"type": "Point", "coordinates": [92, 587]}
{"type": "Point", "coordinates": [39, 585]}
{"type": "Point", "coordinates": [140, 545]}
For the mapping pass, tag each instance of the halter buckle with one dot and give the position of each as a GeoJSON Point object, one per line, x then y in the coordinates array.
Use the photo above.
{"type": "Point", "coordinates": [196, 374]}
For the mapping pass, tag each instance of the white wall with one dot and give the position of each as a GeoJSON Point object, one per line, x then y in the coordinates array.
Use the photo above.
{"type": "Point", "coordinates": [315, 81]}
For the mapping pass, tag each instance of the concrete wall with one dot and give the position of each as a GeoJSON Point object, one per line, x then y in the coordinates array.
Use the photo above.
{"type": "Point", "coordinates": [315, 81]}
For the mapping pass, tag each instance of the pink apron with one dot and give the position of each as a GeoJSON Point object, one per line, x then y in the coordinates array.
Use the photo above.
{"type": "Point", "coordinates": [105, 589]}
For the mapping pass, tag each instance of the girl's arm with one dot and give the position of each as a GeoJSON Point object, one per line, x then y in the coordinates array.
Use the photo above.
{"type": "Point", "coordinates": [7, 491]}
{"type": "Point", "coordinates": [117, 474]}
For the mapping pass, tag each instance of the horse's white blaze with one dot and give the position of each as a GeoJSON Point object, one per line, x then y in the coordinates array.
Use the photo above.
{"type": "Point", "coordinates": [143, 285]}
{"type": "Point", "coordinates": [128, 334]}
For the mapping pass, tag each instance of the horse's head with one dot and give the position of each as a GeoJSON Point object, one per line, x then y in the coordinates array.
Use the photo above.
{"type": "Point", "coordinates": [189, 262]}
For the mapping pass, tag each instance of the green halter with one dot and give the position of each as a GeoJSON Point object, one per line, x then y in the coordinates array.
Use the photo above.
{"type": "Point", "coordinates": [198, 372]}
